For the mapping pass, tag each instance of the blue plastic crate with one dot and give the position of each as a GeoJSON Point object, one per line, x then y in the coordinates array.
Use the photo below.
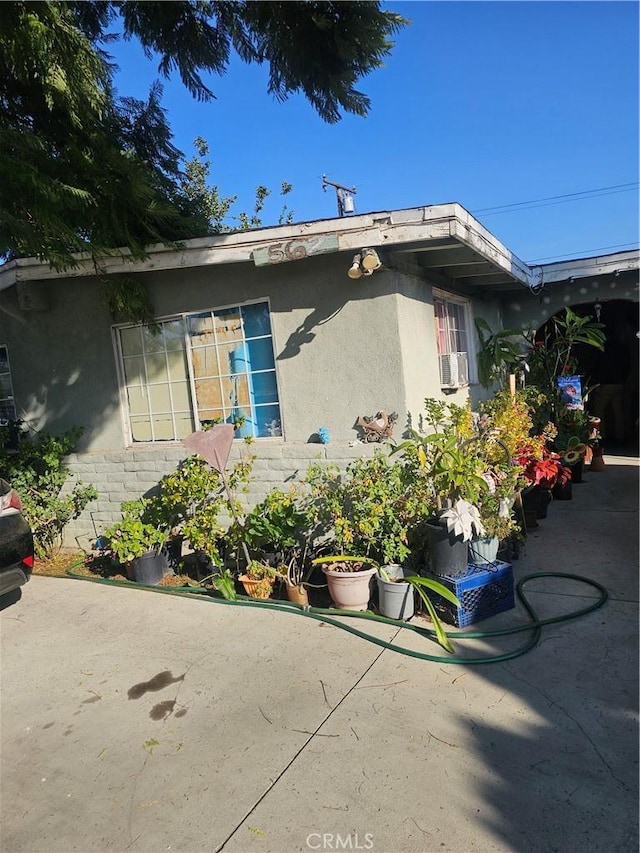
{"type": "Point", "coordinates": [483, 591]}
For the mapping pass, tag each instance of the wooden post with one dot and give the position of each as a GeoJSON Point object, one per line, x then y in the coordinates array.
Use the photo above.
{"type": "Point", "coordinates": [512, 384]}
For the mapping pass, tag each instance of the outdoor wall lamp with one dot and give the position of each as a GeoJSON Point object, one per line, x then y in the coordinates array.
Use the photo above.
{"type": "Point", "coordinates": [365, 262]}
{"type": "Point", "coordinates": [597, 308]}
{"type": "Point", "coordinates": [355, 270]}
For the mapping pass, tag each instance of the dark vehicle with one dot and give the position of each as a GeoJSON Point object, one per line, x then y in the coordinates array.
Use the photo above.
{"type": "Point", "coordinates": [16, 541]}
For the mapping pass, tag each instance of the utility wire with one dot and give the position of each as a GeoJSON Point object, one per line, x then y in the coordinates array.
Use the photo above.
{"type": "Point", "coordinates": [584, 252]}
{"type": "Point", "coordinates": [558, 199]}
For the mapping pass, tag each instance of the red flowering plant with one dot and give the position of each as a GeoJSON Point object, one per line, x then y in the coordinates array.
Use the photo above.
{"type": "Point", "coordinates": [545, 469]}
{"type": "Point", "coordinates": [540, 465]}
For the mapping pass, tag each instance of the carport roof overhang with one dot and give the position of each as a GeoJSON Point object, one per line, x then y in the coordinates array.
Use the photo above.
{"type": "Point", "coordinates": [442, 243]}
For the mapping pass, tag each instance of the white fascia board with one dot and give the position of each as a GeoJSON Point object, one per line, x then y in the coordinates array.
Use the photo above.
{"type": "Point", "coordinates": [467, 230]}
{"type": "Point", "coordinates": [378, 229]}
{"type": "Point", "coordinates": [585, 267]}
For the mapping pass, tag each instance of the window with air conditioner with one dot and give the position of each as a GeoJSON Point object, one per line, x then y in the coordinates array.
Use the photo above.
{"type": "Point", "coordinates": [452, 318]}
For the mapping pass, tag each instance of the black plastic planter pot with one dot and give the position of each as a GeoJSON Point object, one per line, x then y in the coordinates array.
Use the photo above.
{"type": "Point", "coordinates": [448, 554]}
{"type": "Point", "coordinates": [544, 499]}
{"type": "Point", "coordinates": [563, 492]}
{"type": "Point", "coordinates": [577, 470]}
{"type": "Point", "coordinates": [150, 568]}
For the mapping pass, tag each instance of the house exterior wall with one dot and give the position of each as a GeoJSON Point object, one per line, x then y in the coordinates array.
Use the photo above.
{"type": "Point", "coordinates": [524, 310]}
{"type": "Point", "coordinates": [343, 348]}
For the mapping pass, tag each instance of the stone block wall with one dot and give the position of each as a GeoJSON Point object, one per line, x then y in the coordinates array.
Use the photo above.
{"type": "Point", "coordinates": [125, 475]}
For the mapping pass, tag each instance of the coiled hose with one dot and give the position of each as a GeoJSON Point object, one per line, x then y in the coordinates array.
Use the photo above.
{"type": "Point", "coordinates": [325, 615]}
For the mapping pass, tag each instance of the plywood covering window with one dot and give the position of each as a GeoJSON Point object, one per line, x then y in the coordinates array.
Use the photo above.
{"type": "Point", "coordinates": [7, 404]}
{"type": "Point", "coordinates": [197, 369]}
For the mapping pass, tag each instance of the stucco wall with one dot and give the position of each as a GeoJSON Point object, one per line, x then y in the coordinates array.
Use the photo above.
{"type": "Point", "coordinates": [524, 310]}
{"type": "Point", "coordinates": [343, 348]}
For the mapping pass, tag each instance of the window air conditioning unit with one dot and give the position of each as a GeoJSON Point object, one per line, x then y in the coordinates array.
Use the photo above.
{"type": "Point", "coordinates": [454, 370]}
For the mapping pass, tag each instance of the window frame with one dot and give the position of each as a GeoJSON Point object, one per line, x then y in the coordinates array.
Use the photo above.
{"type": "Point", "coordinates": [190, 380]}
{"type": "Point", "coordinates": [445, 297]}
{"type": "Point", "coordinates": [11, 398]}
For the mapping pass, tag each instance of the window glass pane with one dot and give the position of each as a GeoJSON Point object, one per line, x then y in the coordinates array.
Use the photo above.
{"type": "Point", "coordinates": [177, 364]}
{"type": "Point", "coordinates": [5, 385]}
{"type": "Point", "coordinates": [138, 400]}
{"type": "Point", "coordinates": [236, 391]}
{"type": "Point", "coordinates": [159, 399]}
{"type": "Point", "coordinates": [205, 361]}
{"type": "Point", "coordinates": [208, 394]}
{"type": "Point", "coordinates": [228, 325]}
{"type": "Point", "coordinates": [173, 335]}
{"type": "Point", "coordinates": [141, 428]}
{"type": "Point", "coordinates": [261, 354]}
{"type": "Point", "coordinates": [256, 320]}
{"type": "Point", "coordinates": [4, 360]}
{"type": "Point", "coordinates": [268, 421]}
{"type": "Point", "coordinates": [163, 428]}
{"type": "Point", "coordinates": [156, 368]}
{"type": "Point", "coordinates": [181, 397]}
{"type": "Point", "coordinates": [152, 340]}
{"type": "Point", "coordinates": [131, 341]}
{"type": "Point", "coordinates": [134, 371]}
{"type": "Point", "coordinates": [7, 410]}
{"type": "Point", "coordinates": [264, 387]}
{"type": "Point", "coordinates": [200, 328]}
{"type": "Point", "coordinates": [184, 425]}
{"type": "Point", "coordinates": [232, 358]}
{"type": "Point", "coordinates": [212, 416]}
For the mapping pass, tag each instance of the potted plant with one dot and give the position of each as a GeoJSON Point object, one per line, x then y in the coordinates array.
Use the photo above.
{"type": "Point", "coordinates": [349, 581]}
{"type": "Point", "coordinates": [258, 579]}
{"type": "Point", "coordinates": [447, 468]}
{"type": "Point", "coordinates": [138, 544]}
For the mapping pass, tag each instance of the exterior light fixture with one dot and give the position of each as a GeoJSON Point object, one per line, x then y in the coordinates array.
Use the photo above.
{"type": "Point", "coordinates": [370, 260]}
{"type": "Point", "coordinates": [366, 262]}
{"type": "Point", "coordinates": [355, 270]}
{"type": "Point", "coordinates": [597, 308]}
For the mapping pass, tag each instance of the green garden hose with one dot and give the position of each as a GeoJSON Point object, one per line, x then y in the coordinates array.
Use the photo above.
{"type": "Point", "coordinates": [324, 615]}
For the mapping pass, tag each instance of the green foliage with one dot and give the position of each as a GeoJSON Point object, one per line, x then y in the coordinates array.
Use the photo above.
{"type": "Point", "coordinates": [279, 523]}
{"type": "Point", "coordinates": [83, 170]}
{"type": "Point", "coordinates": [37, 471]}
{"type": "Point", "coordinates": [554, 355]}
{"type": "Point", "coordinates": [498, 354]}
{"type": "Point", "coordinates": [215, 208]}
{"type": "Point", "coordinates": [191, 501]}
{"type": "Point", "coordinates": [133, 536]}
{"type": "Point", "coordinates": [370, 508]}
{"type": "Point", "coordinates": [420, 585]}
{"type": "Point", "coordinates": [448, 462]}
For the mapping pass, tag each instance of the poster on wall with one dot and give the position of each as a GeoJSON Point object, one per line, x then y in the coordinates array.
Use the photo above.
{"type": "Point", "coordinates": [571, 392]}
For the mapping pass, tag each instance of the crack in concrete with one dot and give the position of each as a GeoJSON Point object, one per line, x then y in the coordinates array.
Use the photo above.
{"type": "Point", "coordinates": [553, 703]}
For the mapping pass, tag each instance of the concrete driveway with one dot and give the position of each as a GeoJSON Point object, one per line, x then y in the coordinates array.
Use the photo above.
{"type": "Point", "coordinates": [135, 721]}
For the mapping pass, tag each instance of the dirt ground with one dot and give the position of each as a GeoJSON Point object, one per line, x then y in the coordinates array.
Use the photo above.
{"type": "Point", "coordinates": [62, 563]}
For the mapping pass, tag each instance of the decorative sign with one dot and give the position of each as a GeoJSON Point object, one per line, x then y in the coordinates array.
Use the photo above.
{"type": "Point", "coordinates": [295, 250]}
{"type": "Point", "coordinates": [570, 388]}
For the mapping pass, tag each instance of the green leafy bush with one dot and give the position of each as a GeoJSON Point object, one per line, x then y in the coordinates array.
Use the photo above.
{"type": "Point", "coordinates": [34, 465]}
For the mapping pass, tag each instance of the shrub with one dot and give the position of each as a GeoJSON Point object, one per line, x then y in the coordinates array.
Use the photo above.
{"type": "Point", "coordinates": [34, 465]}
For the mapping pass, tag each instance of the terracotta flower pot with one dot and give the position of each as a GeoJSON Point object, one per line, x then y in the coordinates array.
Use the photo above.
{"type": "Point", "coordinates": [257, 588]}
{"type": "Point", "coordinates": [297, 594]}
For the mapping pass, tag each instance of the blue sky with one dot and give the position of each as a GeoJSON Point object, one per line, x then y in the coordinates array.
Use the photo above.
{"type": "Point", "coordinates": [483, 103]}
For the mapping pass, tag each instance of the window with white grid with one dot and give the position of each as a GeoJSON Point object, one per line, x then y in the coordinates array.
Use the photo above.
{"type": "Point", "coordinates": [198, 369]}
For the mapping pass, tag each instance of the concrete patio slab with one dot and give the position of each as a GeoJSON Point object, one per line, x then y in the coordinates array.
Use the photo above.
{"type": "Point", "coordinates": [135, 721]}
